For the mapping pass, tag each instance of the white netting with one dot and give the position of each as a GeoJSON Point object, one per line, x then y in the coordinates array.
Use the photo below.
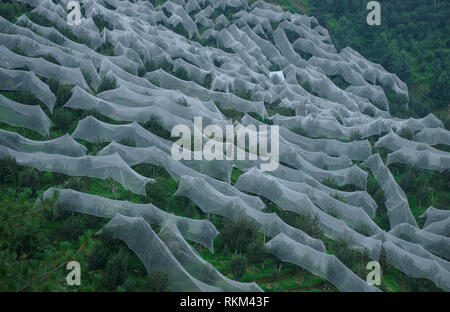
{"type": "Point", "coordinates": [197, 266]}
{"type": "Point", "coordinates": [322, 264]}
{"type": "Point", "coordinates": [63, 145]}
{"type": "Point", "coordinates": [102, 167]}
{"type": "Point", "coordinates": [420, 158]}
{"type": "Point", "coordinates": [337, 226]}
{"type": "Point", "coordinates": [356, 150]}
{"type": "Point", "coordinates": [42, 67]}
{"type": "Point", "coordinates": [437, 244]}
{"type": "Point", "coordinates": [26, 116]}
{"type": "Point", "coordinates": [210, 200]}
{"type": "Point", "coordinates": [394, 142]}
{"type": "Point", "coordinates": [19, 80]}
{"type": "Point", "coordinates": [433, 136]}
{"type": "Point", "coordinates": [434, 215]}
{"type": "Point", "coordinates": [416, 266]}
{"type": "Point", "coordinates": [200, 231]}
{"type": "Point", "coordinates": [396, 200]}
{"type": "Point", "coordinates": [154, 254]}
{"type": "Point", "coordinates": [441, 227]}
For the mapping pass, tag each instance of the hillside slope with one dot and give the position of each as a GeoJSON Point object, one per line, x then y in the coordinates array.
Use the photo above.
{"type": "Point", "coordinates": [86, 114]}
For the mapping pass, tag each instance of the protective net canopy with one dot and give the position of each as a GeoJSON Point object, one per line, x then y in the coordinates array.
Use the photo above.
{"type": "Point", "coordinates": [396, 200]}
{"type": "Point", "coordinates": [200, 231]}
{"type": "Point", "coordinates": [102, 167]}
{"type": "Point", "coordinates": [433, 136]}
{"type": "Point", "coordinates": [154, 254]}
{"type": "Point", "coordinates": [211, 201]}
{"type": "Point", "coordinates": [355, 150]}
{"type": "Point", "coordinates": [422, 159]}
{"type": "Point", "coordinates": [64, 145]}
{"type": "Point", "coordinates": [322, 264]}
{"type": "Point", "coordinates": [300, 203]}
{"type": "Point", "coordinates": [435, 243]}
{"type": "Point", "coordinates": [416, 266]}
{"type": "Point", "coordinates": [19, 80]}
{"type": "Point", "coordinates": [434, 215]}
{"type": "Point", "coordinates": [25, 116]}
{"type": "Point", "coordinates": [196, 265]}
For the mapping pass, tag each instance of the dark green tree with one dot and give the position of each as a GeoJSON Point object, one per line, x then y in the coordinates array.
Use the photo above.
{"type": "Point", "coordinates": [238, 266]}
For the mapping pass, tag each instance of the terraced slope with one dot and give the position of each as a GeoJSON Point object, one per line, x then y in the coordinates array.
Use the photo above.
{"type": "Point", "coordinates": [86, 113]}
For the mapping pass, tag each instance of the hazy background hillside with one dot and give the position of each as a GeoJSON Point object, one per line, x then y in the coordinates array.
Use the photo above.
{"type": "Point", "coordinates": [412, 42]}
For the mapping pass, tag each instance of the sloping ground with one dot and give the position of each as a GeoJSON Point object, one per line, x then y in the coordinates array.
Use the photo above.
{"type": "Point", "coordinates": [131, 71]}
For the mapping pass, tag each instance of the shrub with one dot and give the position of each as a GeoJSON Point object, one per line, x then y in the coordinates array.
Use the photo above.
{"type": "Point", "coordinates": [9, 11]}
{"type": "Point", "coordinates": [218, 62]}
{"type": "Point", "coordinates": [67, 32]}
{"type": "Point", "coordinates": [53, 212]}
{"type": "Point", "coordinates": [149, 66]}
{"type": "Point", "coordinates": [101, 23]}
{"type": "Point", "coordinates": [226, 250]}
{"type": "Point", "coordinates": [106, 49]}
{"type": "Point", "coordinates": [157, 281]}
{"type": "Point", "coordinates": [154, 126]}
{"type": "Point", "coordinates": [8, 171]}
{"type": "Point", "coordinates": [108, 83]}
{"type": "Point", "coordinates": [307, 222]}
{"type": "Point", "coordinates": [113, 244]}
{"type": "Point", "coordinates": [256, 252]}
{"type": "Point", "coordinates": [39, 19]}
{"type": "Point", "coordinates": [87, 76]}
{"type": "Point", "coordinates": [208, 81]}
{"type": "Point", "coordinates": [166, 65]}
{"type": "Point", "coordinates": [79, 184]}
{"type": "Point", "coordinates": [238, 266]}
{"type": "Point", "coordinates": [73, 226]}
{"type": "Point", "coordinates": [182, 73]}
{"type": "Point", "coordinates": [56, 38]}
{"type": "Point", "coordinates": [356, 135]}
{"type": "Point", "coordinates": [25, 243]}
{"type": "Point", "coordinates": [157, 193]}
{"type": "Point", "coordinates": [238, 235]}
{"type": "Point", "coordinates": [29, 177]}
{"type": "Point", "coordinates": [98, 257]}
{"type": "Point", "coordinates": [182, 101]}
{"type": "Point", "coordinates": [406, 133]}
{"type": "Point", "coordinates": [50, 59]}
{"type": "Point", "coordinates": [355, 260]}
{"type": "Point", "coordinates": [25, 97]}
{"type": "Point", "coordinates": [116, 270]}
{"type": "Point", "coordinates": [62, 119]}
{"type": "Point", "coordinates": [274, 67]}
{"type": "Point", "coordinates": [62, 92]}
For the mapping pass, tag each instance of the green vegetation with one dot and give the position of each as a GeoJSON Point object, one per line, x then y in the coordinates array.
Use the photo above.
{"type": "Point", "coordinates": [108, 83]}
{"type": "Point", "coordinates": [182, 73]}
{"type": "Point", "coordinates": [37, 241]}
{"type": "Point", "coordinates": [101, 23]}
{"type": "Point", "coordinates": [238, 235]}
{"type": "Point", "coordinates": [412, 42]}
{"type": "Point", "coordinates": [10, 11]}
{"type": "Point", "coordinates": [238, 266]}
{"type": "Point", "coordinates": [152, 65]}
{"type": "Point", "coordinates": [106, 49]}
